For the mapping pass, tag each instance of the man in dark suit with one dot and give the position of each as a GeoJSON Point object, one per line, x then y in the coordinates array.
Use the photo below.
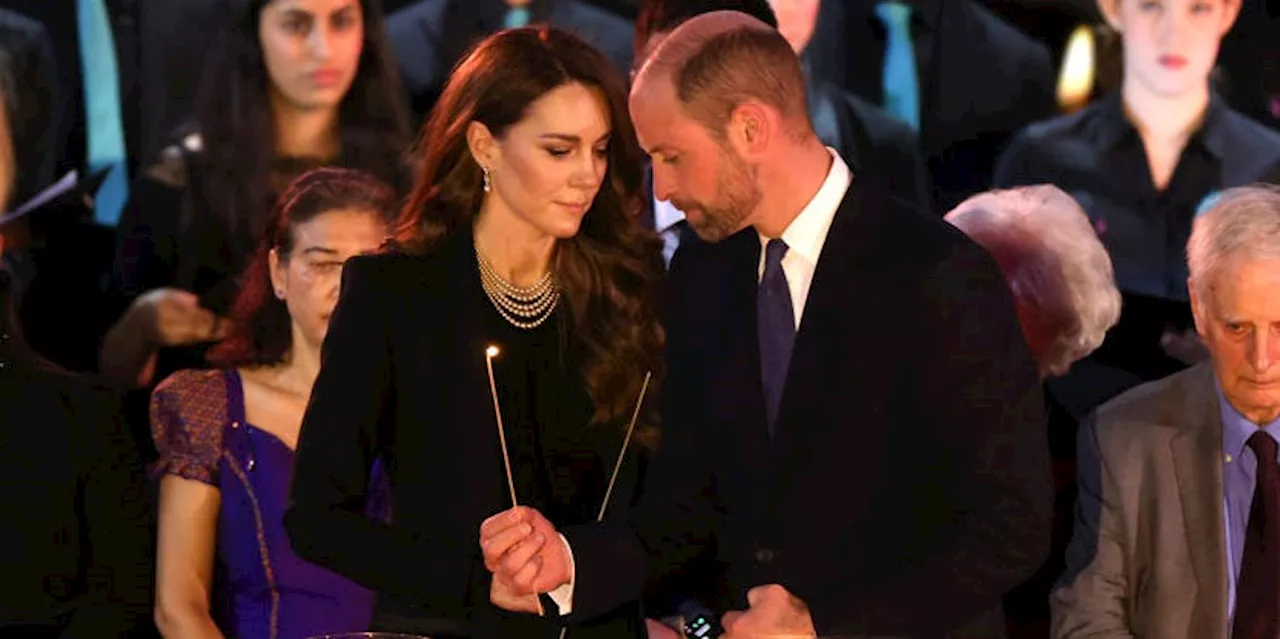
{"type": "Point", "coordinates": [876, 146]}
{"type": "Point", "coordinates": [430, 36]}
{"type": "Point", "coordinates": [853, 426]}
{"type": "Point", "coordinates": [967, 79]}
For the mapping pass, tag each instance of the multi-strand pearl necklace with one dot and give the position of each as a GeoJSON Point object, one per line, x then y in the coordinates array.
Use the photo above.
{"type": "Point", "coordinates": [525, 308]}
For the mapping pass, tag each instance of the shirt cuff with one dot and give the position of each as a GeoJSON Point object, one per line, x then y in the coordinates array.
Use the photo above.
{"type": "Point", "coordinates": [563, 596]}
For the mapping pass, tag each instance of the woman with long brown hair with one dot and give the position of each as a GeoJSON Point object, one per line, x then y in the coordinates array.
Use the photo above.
{"type": "Point", "coordinates": [522, 235]}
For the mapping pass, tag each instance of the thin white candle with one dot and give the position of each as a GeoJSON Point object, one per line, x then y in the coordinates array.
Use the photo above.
{"type": "Point", "coordinates": [489, 353]}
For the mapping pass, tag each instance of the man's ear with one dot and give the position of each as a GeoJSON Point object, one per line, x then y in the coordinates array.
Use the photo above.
{"type": "Point", "coordinates": [1197, 307]}
{"type": "Point", "coordinates": [749, 129]}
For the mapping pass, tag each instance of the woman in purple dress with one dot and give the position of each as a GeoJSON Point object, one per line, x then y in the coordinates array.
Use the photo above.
{"type": "Point", "coordinates": [226, 437]}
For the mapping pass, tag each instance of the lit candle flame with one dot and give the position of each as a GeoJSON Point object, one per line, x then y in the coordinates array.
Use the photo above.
{"type": "Point", "coordinates": [1075, 82]}
{"type": "Point", "coordinates": [491, 351]}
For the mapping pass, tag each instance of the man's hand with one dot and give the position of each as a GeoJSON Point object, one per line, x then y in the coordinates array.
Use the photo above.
{"type": "Point", "coordinates": [502, 595]}
{"type": "Point", "coordinates": [660, 630]}
{"type": "Point", "coordinates": [774, 613]}
{"type": "Point", "coordinates": [523, 550]}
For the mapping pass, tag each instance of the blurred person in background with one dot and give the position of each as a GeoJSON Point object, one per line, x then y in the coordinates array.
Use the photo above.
{"type": "Point", "coordinates": [226, 437]}
{"type": "Point", "coordinates": [431, 36]}
{"type": "Point", "coordinates": [1066, 296]}
{"type": "Point", "coordinates": [75, 546]}
{"type": "Point", "coordinates": [1142, 161]}
{"type": "Point", "coordinates": [521, 233]}
{"type": "Point", "coordinates": [291, 85]}
{"type": "Point", "coordinates": [961, 76]}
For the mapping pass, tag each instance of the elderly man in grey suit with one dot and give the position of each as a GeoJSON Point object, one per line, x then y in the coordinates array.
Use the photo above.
{"type": "Point", "coordinates": [1177, 531]}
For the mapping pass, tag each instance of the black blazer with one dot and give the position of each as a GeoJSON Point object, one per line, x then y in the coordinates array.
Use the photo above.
{"type": "Point", "coordinates": [908, 485]}
{"type": "Point", "coordinates": [981, 81]}
{"type": "Point", "coordinates": [403, 379]}
{"type": "Point", "coordinates": [431, 36]}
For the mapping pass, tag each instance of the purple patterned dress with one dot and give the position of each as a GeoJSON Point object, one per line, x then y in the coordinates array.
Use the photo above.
{"type": "Point", "coordinates": [261, 588]}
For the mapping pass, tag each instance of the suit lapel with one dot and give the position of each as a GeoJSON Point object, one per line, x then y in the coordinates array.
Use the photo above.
{"type": "Point", "coordinates": [465, 307]}
{"type": "Point", "coordinates": [839, 289]}
{"type": "Point", "coordinates": [1197, 460]}
{"type": "Point", "coordinates": [741, 403]}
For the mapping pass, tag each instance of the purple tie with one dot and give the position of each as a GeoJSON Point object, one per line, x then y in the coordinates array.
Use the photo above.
{"type": "Point", "coordinates": [776, 328]}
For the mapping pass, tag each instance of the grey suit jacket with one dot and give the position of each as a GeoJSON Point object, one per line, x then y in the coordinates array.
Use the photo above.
{"type": "Point", "coordinates": [1148, 554]}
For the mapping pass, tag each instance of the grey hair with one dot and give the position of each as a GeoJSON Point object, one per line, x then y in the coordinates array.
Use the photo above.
{"type": "Point", "coordinates": [1054, 263]}
{"type": "Point", "coordinates": [1244, 223]}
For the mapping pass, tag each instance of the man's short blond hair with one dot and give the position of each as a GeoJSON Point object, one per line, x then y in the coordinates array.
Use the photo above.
{"type": "Point", "coordinates": [722, 59]}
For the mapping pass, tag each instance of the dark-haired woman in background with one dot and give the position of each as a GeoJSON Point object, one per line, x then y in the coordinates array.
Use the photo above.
{"type": "Point", "coordinates": [290, 85]}
{"type": "Point", "coordinates": [226, 437]}
{"type": "Point", "coordinates": [522, 232]}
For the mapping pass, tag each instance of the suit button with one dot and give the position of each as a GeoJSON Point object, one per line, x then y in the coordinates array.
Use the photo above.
{"type": "Point", "coordinates": [764, 556]}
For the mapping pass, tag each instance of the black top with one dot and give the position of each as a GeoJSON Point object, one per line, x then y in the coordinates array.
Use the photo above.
{"type": "Point", "coordinates": [546, 410]}
{"type": "Point", "coordinates": [403, 379]}
{"type": "Point", "coordinates": [1097, 156]}
{"type": "Point", "coordinates": [75, 535]}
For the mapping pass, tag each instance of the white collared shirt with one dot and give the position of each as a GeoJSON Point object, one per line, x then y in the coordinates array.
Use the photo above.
{"type": "Point", "coordinates": [806, 234]}
{"type": "Point", "coordinates": [665, 218]}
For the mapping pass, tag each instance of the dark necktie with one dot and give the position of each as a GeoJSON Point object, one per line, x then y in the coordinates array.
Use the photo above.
{"type": "Point", "coordinates": [1258, 591]}
{"type": "Point", "coordinates": [775, 327]}
{"type": "Point", "coordinates": [684, 231]}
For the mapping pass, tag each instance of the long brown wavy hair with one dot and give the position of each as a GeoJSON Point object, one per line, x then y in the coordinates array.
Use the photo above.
{"type": "Point", "coordinates": [607, 272]}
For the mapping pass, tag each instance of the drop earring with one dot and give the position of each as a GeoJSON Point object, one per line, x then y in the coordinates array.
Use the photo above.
{"type": "Point", "coordinates": [488, 185]}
